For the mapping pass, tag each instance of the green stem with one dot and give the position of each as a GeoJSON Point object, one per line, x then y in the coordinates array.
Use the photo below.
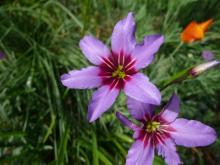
{"type": "Point", "coordinates": [177, 48]}
{"type": "Point", "coordinates": [177, 78]}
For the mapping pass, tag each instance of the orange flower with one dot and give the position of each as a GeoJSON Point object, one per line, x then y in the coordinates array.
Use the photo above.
{"type": "Point", "coordinates": [195, 31]}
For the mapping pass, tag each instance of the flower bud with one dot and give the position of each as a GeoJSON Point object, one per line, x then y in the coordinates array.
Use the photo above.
{"type": "Point", "coordinates": [195, 71]}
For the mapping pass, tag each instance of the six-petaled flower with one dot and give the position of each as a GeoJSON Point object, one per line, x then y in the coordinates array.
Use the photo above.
{"type": "Point", "coordinates": [161, 132]}
{"type": "Point", "coordinates": [117, 69]}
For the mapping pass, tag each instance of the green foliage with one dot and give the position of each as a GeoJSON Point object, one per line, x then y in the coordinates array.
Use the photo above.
{"type": "Point", "coordinates": [44, 123]}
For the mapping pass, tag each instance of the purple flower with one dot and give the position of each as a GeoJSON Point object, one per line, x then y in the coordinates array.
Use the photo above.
{"type": "Point", "coordinates": [2, 55]}
{"type": "Point", "coordinates": [207, 55]}
{"type": "Point", "coordinates": [117, 69]}
{"type": "Point", "coordinates": [161, 132]}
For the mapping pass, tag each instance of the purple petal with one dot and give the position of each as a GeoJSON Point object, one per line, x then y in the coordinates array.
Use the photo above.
{"type": "Point", "coordinates": [139, 154]}
{"type": "Point", "coordinates": [207, 55]}
{"type": "Point", "coordinates": [81, 79]}
{"type": "Point", "coordinates": [123, 38]}
{"type": "Point", "coordinates": [168, 151]}
{"type": "Point", "coordinates": [138, 134]}
{"type": "Point", "coordinates": [191, 133]}
{"type": "Point", "coordinates": [144, 52]}
{"type": "Point", "coordinates": [102, 100]}
{"type": "Point", "coordinates": [139, 110]}
{"type": "Point", "coordinates": [141, 89]}
{"type": "Point", "coordinates": [171, 110]}
{"type": "Point", "coordinates": [93, 49]}
{"type": "Point", "coordinates": [126, 122]}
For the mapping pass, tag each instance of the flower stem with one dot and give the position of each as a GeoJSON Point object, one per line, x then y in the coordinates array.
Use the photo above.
{"type": "Point", "coordinates": [177, 48]}
{"type": "Point", "coordinates": [177, 78]}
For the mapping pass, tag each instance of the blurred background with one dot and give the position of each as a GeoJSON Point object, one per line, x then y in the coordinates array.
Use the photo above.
{"type": "Point", "coordinates": [42, 122]}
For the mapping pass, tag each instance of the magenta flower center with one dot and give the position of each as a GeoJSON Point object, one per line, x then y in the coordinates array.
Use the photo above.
{"type": "Point", "coordinates": [117, 69]}
{"type": "Point", "coordinates": [155, 131]}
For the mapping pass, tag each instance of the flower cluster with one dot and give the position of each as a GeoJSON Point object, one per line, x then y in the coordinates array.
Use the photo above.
{"type": "Point", "coordinates": [117, 70]}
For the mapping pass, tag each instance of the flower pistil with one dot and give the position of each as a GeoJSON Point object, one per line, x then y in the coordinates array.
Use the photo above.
{"type": "Point", "coordinates": [152, 126]}
{"type": "Point", "coordinates": [119, 73]}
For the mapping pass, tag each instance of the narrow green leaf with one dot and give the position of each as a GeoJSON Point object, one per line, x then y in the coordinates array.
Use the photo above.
{"type": "Point", "coordinates": [95, 150]}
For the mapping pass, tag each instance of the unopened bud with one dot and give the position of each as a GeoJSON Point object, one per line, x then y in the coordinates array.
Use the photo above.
{"type": "Point", "coordinates": [195, 71]}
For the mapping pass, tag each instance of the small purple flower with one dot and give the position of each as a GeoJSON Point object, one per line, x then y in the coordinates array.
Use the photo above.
{"type": "Point", "coordinates": [207, 55]}
{"type": "Point", "coordinates": [2, 55]}
{"type": "Point", "coordinates": [162, 132]}
{"type": "Point", "coordinates": [117, 69]}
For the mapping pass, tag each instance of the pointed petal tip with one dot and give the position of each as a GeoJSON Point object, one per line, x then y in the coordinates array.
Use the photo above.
{"type": "Point", "coordinates": [64, 76]}
{"type": "Point", "coordinates": [175, 96]}
{"type": "Point", "coordinates": [131, 15]}
{"type": "Point", "coordinates": [126, 122]}
{"type": "Point", "coordinates": [171, 110]}
{"type": "Point", "coordinates": [162, 38]}
{"type": "Point", "coordinates": [84, 40]}
{"type": "Point", "coordinates": [63, 79]}
{"type": "Point", "coordinates": [210, 21]}
{"type": "Point", "coordinates": [90, 118]}
{"type": "Point", "coordinates": [206, 24]}
{"type": "Point", "coordinates": [123, 35]}
{"type": "Point", "coordinates": [158, 100]}
{"type": "Point", "coordinates": [118, 115]}
{"type": "Point", "coordinates": [213, 134]}
{"type": "Point", "coordinates": [86, 37]}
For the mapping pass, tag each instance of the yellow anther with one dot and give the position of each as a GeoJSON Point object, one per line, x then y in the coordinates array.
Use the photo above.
{"type": "Point", "coordinates": [119, 72]}
{"type": "Point", "coordinates": [152, 126]}
{"type": "Point", "coordinates": [120, 67]}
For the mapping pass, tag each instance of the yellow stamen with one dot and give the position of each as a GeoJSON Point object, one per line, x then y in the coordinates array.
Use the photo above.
{"type": "Point", "coordinates": [119, 72]}
{"type": "Point", "coordinates": [152, 126]}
